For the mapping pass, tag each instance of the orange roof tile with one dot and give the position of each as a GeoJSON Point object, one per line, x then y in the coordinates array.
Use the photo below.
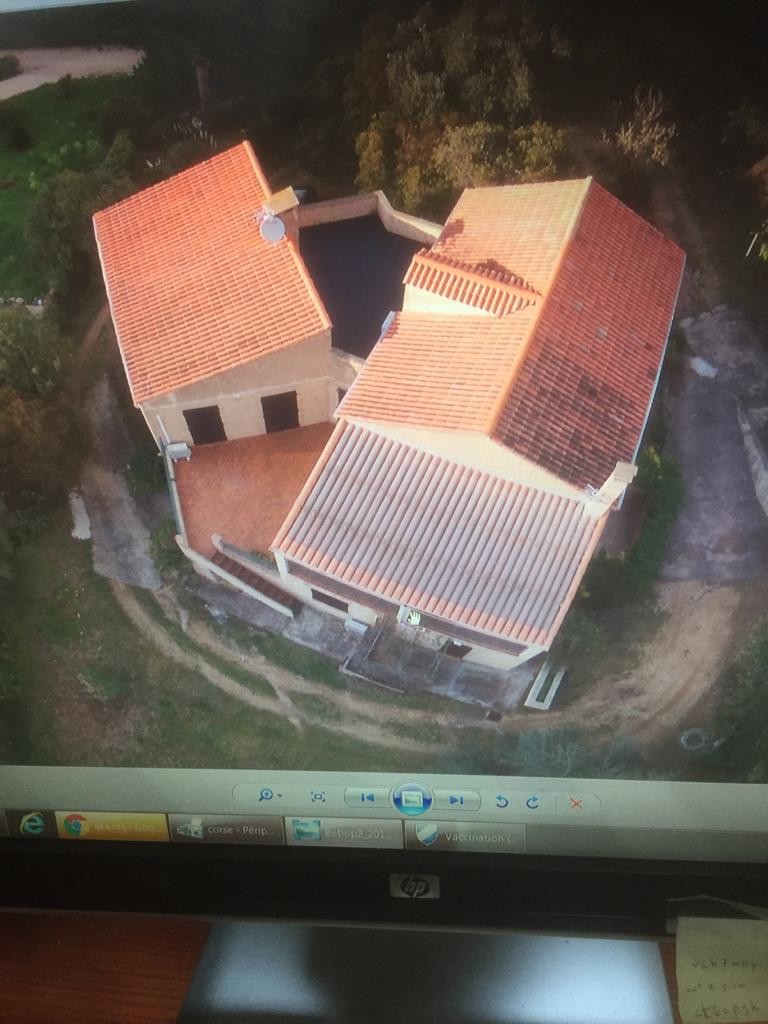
{"type": "Point", "coordinates": [579, 401]}
{"type": "Point", "coordinates": [221, 487]}
{"type": "Point", "coordinates": [450, 540]}
{"type": "Point", "coordinates": [517, 230]}
{"type": "Point", "coordinates": [485, 289]}
{"type": "Point", "coordinates": [438, 370]}
{"type": "Point", "coordinates": [193, 288]}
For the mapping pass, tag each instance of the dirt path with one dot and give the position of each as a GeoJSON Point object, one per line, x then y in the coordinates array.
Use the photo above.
{"type": "Point", "coordinates": [49, 64]}
{"type": "Point", "coordinates": [286, 682]}
{"type": "Point", "coordinates": [364, 728]}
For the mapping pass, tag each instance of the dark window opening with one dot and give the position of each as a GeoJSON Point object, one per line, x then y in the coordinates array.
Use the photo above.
{"type": "Point", "coordinates": [205, 425]}
{"type": "Point", "coordinates": [454, 650]}
{"type": "Point", "coordinates": [281, 412]}
{"type": "Point", "coordinates": [334, 602]}
{"type": "Point", "coordinates": [340, 392]}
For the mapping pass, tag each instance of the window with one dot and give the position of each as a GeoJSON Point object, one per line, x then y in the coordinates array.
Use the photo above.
{"type": "Point", "coordinates": [454, 650]}
{"type": "Point", "coordinates": [205, 425]}
{"type": "Point", "coordinates": [334, 602]}
{"type": "Point", "coordinates": [281, 412]}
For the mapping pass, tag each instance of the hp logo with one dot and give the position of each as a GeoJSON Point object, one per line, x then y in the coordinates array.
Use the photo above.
{"type": "Point", "coordinates": [414, 887]}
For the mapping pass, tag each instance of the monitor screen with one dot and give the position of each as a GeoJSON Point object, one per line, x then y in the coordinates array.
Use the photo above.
{"type": "Point", "coordinates": [384, 430]}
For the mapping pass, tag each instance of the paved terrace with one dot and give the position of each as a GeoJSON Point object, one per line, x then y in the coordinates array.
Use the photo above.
{"type": "Point", "coordinates": [358, 268]}
{"type": "Point", "coordinates": [244, 489]}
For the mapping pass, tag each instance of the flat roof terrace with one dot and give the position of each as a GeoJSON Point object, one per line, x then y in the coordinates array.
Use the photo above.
{"type": "Point", "coordinates": [358, 268]}
{"type": "Point", "coordinates": [244, 489]}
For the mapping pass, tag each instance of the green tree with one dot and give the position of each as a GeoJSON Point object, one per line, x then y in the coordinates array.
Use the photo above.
{"type": "Point", "coordinates": [537, 152]}
{"type": "Point", "coordinates": [470, 155]}
{"type": "Point", "coordinates": [647, 135]}
{"type": "Point", "coordinates": [41, 444]}
{"type": "Point", "coordinates": [33, 354]}
{"type": "Point", "coordinates": [453, 101]}
{"type": "Point", "coordinates": [59, 229]}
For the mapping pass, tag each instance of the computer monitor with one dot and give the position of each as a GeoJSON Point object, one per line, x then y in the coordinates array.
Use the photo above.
{"type": "Point", "coordinates": [384, 522]}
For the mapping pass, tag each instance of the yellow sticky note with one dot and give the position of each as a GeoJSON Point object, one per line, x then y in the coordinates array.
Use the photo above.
{"type": "Point", "coordinates": [722, 971]}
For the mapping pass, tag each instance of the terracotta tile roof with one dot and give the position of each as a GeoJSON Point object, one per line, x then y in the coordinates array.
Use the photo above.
{"type": "Point", "coordinates": [447, 539]}
{"type": "Point", "coordinates": [581, 394]}
{"type": "Point", "coordinates": [193, 288]}
{"type": "Point", "coordinates": [221, 488]}
{"type": "Point", "coordinates": [438, 370]}
{"type": "Point", "coordinates": [518, 230]}
{"type": "Point", "coordinates": [484, 289]}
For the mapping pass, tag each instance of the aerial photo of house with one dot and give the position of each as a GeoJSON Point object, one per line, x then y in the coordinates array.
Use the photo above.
{"type": "Point", "coordinates": [433, 464]}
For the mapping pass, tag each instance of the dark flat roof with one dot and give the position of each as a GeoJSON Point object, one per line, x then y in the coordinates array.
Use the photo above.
{"type": "Point", "coordinates": [358, 268]}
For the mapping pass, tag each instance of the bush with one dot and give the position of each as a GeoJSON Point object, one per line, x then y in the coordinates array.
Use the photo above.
{"type": "Point", "coordinates": [13, 134]}
{"type": "Point", "coordinates": [9, 66]}
{"type": "Point", "coordinates": [646, 137]}
{"type": "Point", "coordinates": [66, 87]}
{"type": "Point", "coordinates": [613, 580]}
{"type": "Point", "coordinates": [165, 552]}
{"type": "Point", "coordinates": [742, 712]}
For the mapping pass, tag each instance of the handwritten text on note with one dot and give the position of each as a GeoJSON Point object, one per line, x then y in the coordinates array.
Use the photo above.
{"type": "Point", "coordinates": [722, 970]}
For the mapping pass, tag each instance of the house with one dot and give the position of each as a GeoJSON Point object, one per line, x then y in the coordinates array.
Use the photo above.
{"type": "Point", "coordinates": [453, 484]}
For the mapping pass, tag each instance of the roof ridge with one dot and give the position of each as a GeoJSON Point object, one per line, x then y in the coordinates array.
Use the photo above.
{"type": "Point", "coordinates": [496, 411]}
{"type": "Point", "coordinates": [499, 280]}
{"type": "Point", "coordinates": [292, 248]}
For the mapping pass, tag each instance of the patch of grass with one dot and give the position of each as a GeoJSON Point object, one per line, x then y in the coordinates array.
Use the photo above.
{"type": "Point", "coordinates": [300, 660]}
{"type": "Point", "coordinates": [421, 732]}
{"type": "Point", "coordinates": [110, 683]}
{"type": "Point", "coordinates": [57, 122]}
{"type": "Point", "coordinates": [613, 580]}
{"type": "Point", "coordinates": [317, 707]}
{"type": "Point", "coordinates": [165, 552]}
{"type": "Point", "coordinates": [252, 680]}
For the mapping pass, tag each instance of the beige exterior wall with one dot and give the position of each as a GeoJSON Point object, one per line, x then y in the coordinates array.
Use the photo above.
{"type": "Point", "coordinates": [330, 210]}
{"type": "Point", "coordinates": [478, 451]}
{"type": "Point", "coordinates": [417, 300]}
{"type": "Point", "coordinates": [304, 368]}
{"type": "Point", "coordinates": [362, 205]}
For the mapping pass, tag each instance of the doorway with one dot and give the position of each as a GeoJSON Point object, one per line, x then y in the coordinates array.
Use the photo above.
{"type": "Point", "coordinates": [205, 425]}
{"type": "Point", "coordinates": [281, 412]}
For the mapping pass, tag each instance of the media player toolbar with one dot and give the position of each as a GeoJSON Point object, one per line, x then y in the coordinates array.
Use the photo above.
{"type": "Point", "coordinates": [414, 799]}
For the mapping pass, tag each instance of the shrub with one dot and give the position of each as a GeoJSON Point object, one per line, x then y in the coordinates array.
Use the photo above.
{"type": "Point", "coordinates": [164, 550]}
{"type": "Point", "coordinates": [742, 712]}
{"type": "Point", "coordinates": [613, 580]}
{"type": "Point", "coordinates": [648, 133]}
{"type": "Point", "coordinates": [9, 66]}
{"type": "Point", "coordinates": [66, 87]}
{"type": "Point", "coordinates": [13, 134]}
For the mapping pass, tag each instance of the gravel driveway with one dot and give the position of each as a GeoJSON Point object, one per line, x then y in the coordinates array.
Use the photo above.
{"type": "Point", "coordinates": [121, 538]}
{"type": "Point", "coordinates": [722, 532]}
{"type": "Point", "coordinates": [49, 65]}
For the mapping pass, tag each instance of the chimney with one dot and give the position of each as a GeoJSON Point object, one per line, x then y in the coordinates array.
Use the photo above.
{"type": "Point", "coordinates": [601, 501]}
{"type": "Point", "coordinates": [283, 204]}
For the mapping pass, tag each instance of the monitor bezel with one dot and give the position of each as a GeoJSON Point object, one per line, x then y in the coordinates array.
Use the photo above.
{"type": "Point", "coordinates": [556, 895]}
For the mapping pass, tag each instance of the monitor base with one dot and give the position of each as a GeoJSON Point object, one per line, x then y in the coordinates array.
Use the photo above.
{"type": "Point", "coordinates": [263, 972]}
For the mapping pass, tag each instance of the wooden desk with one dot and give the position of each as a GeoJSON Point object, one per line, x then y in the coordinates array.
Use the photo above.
{"type": "Point", "coordinates": [67, 968]}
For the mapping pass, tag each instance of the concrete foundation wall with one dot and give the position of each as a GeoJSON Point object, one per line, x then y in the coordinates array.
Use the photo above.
{"type": "Point", "coordinates": [303, 368]}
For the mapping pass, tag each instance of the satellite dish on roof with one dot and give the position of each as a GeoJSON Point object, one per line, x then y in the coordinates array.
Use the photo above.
{"type": "Point", "coordinates": [271, 228]}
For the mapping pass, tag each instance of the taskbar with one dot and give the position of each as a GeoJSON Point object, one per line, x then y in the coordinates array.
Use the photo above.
{"type": "Point", "coordinates": [261, 830]}
{"type": "Point", "coordinates": [373, 833]}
